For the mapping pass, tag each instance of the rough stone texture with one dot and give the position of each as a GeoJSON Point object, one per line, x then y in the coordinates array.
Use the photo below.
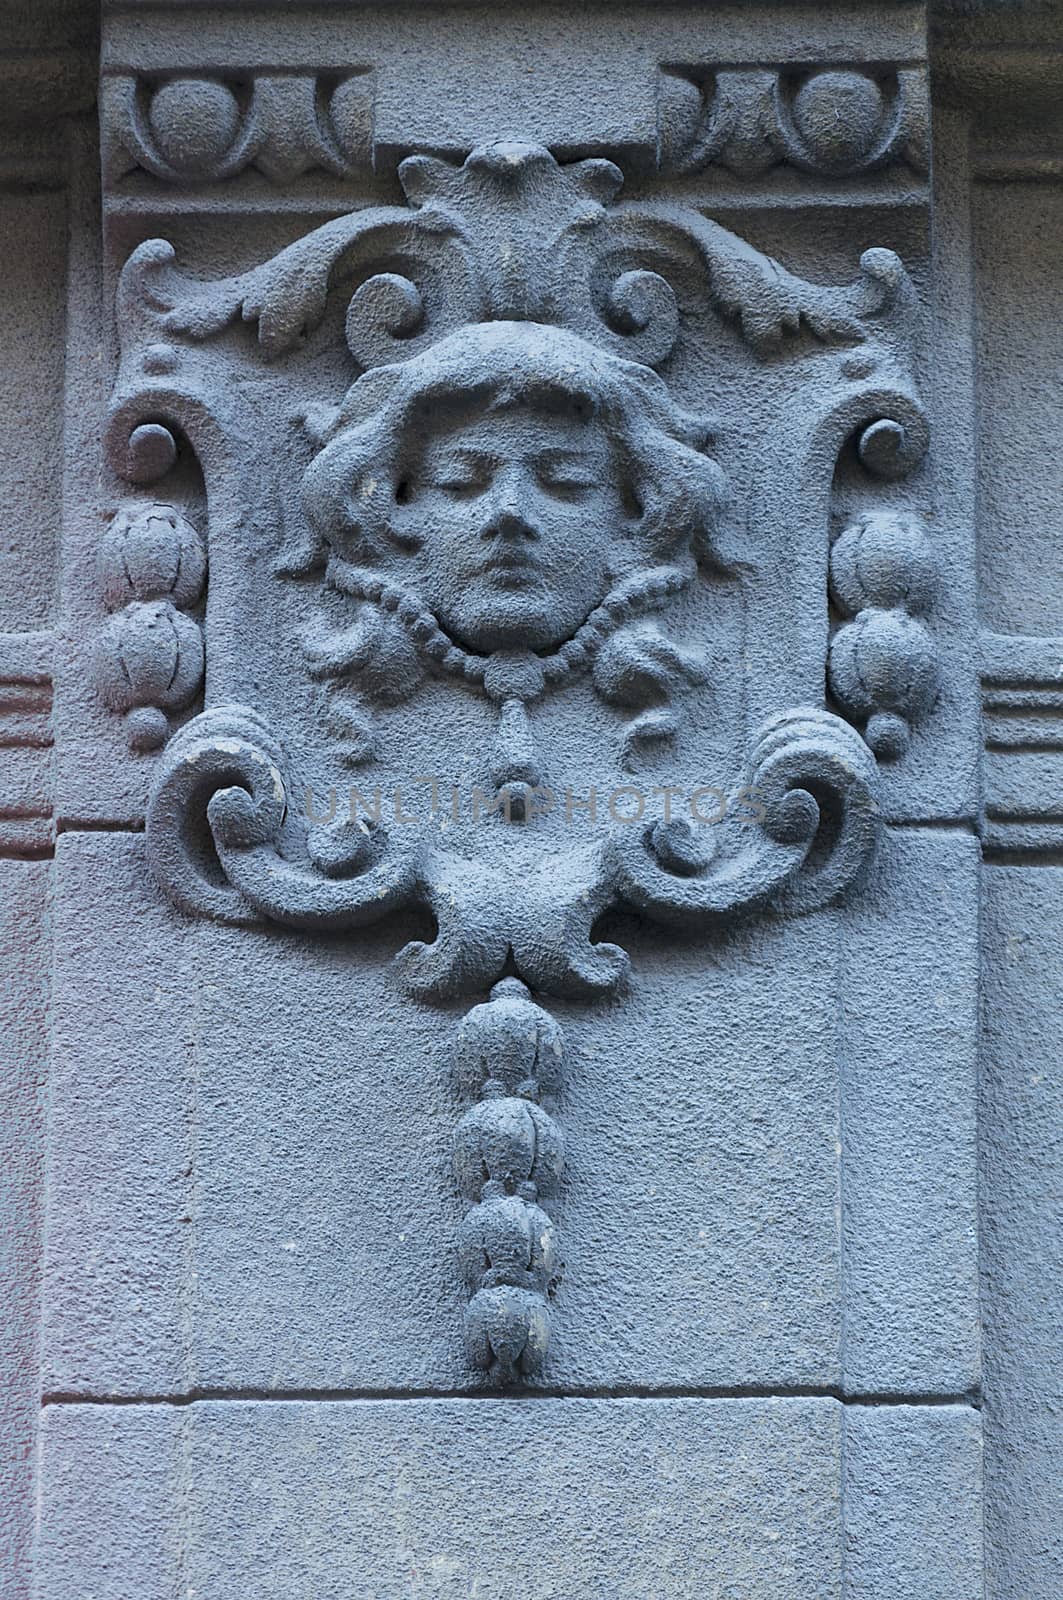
{"type": "Point", "coordinates": [23, 1064]}
{"type": "Point", "coordinates": [908, 1037]}
{"type": "Point", "coordinates": [239, 1242]}
{"type": "Point", "coordinates": [389, 1498]}
{"type": "Point", "coordinates": [777, 414]}
{"type": "Point", "coordinates": [285, 1217]}
{"type": "Point", "coordinates": [1021, 1122]}
{"type": "Point", "coordinates": [31, 337]}
{"type": "Point", "coordinates": [913, 1502]}
{"type": "Point", "coordinates": [381, 1499]}
{"type": "Point", "coordinates": [1016, 240]}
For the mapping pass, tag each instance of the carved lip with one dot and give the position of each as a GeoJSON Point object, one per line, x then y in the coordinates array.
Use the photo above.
{"type": "Point", "coordinates": [511, 568]}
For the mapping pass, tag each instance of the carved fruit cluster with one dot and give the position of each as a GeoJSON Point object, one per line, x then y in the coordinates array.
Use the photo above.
{"type": "Point", "coordinates": [149, 656]}
{"type": "Point", "coordinates": [883, 666]}
{"type": "Point", "coordinates": [508, 1156]}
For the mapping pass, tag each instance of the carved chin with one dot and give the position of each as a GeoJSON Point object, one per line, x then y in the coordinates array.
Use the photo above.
{"type": "Point", "coordinates": [513, 620]}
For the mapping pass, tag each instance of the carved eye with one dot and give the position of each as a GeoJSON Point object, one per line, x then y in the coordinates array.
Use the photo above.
{"type": "Point", "coordinates": [565, 479]}
{"type": "Point", "coordinates": [462, 485]}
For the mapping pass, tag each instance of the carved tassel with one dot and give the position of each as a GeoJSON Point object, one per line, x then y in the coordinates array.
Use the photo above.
{"type": "Point", "coordinates": [508, 1156]}
{"type": "Point", "coordinates": [516, 765]}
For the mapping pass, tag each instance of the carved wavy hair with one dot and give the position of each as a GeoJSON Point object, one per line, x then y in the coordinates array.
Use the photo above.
{"type": "Point", "coordinates": [673, 486]}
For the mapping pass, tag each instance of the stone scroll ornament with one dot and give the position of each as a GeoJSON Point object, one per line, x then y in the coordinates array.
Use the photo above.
{"type": "Point", "coordinates": [507, 499]}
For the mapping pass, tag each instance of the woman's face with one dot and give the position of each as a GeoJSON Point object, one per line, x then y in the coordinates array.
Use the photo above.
{"type": "Point", "coordinates": [509, 518]}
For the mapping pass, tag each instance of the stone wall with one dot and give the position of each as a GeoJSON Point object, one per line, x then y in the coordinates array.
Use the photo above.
{"type": "Point", "coordinates": [530, 658]}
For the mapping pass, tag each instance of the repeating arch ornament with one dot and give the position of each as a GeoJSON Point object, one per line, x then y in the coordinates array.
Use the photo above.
{"type": "Point", "coordinates": [199, 128]}
{"type": "Point", "coordinates": [837, 122]}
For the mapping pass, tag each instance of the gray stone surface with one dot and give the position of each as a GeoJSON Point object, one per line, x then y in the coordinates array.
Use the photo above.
{"type": "Point", "coordinates": [23, 1067]}
{"type": "Point", "coordinates": [1016, 242]}
{"type": "Point", "coordinates": [253, 1256]}
{"type": "Point", "coordinates": [913, 1502]}
{"type": "Point", "coordinates": [31, 371]}
{"type": "Point", "coordinates": [693, 430]}
{"type": "Point", "coordinates": [621, 1499]}
{"type": "Point", "coordinates": [1021, 1128]}
{"type": "Point", "coordinates": [285, 1216]}
{"type": "Point", "coordinates": [908, 1039]}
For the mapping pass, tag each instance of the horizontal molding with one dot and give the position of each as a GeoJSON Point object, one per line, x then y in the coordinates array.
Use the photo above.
{"type": "Point", "coordinates": [988, 166]}
{"type": "Point", "coordinates": [831, 124]}
{"type": "Point", "coordinates": [1021, 660]}
{"type": "Point", "coordinates": [26, 657]}
{"type": "Point", "coordinates": [319, 198]}
{"type": "Point", "coordinates": [1022, 723]}
{"type": "Point", "coordinates": [1024, 843]}
{"type": "Point", "coordinates": [537, 1392]}
{"type": "Point", "coordinates": [26, 739]}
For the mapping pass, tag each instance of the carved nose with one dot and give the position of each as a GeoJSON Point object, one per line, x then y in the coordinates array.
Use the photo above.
{"type": "Point", "coordinates": [508, 518]}
{"type": "Point", "coordinates": [510, 523]}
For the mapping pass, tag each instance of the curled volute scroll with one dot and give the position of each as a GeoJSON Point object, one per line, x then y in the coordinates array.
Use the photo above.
{"type": "Point", "coordinates": [222, 797]}
{"type": "Point", "coordinates": [507, 506]}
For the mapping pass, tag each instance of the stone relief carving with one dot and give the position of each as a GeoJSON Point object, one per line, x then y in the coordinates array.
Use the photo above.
{"type": "Point", "coordinates": [506, 509]}
{"type": "Point", "coordinates": [508, 1156]}
{"type": "Point", "coordinates": [831, 123]}
{"type": "Point", "coordinates": [222, 783]}
{"type": "Point", "coordinates": [514, 235]}
{"type": "Point", "coordinates": [206, 129]}
{"type": "Point", "coordinates": [507, 506]}
{"type": "Point", "coordinates": [149, 656]}
{"type": "Point", "coordinates": [883, 665]}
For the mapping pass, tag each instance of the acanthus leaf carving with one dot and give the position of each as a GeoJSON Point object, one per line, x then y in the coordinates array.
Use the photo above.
{"type": "Point", "coordinates": [559, 226]}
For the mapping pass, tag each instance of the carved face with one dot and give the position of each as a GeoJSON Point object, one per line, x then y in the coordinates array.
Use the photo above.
{"type": "Point", "coordinates": [510, 518]}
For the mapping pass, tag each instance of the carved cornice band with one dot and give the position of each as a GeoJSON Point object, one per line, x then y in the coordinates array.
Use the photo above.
{"type": "Point", "coordinates": [208, 127]}
{"type": "Point", "coordinates": [191, 129]}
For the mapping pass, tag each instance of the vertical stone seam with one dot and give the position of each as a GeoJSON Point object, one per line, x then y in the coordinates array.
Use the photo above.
{"type": "Point", "coordinates": [190, 1160]}
{"type": "Point", "coordinates": [36, 1456]}
{"type": "Point", "coordinates": [184, 1518]}
{"type": "Point", "coordinates": [841, 1063]}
